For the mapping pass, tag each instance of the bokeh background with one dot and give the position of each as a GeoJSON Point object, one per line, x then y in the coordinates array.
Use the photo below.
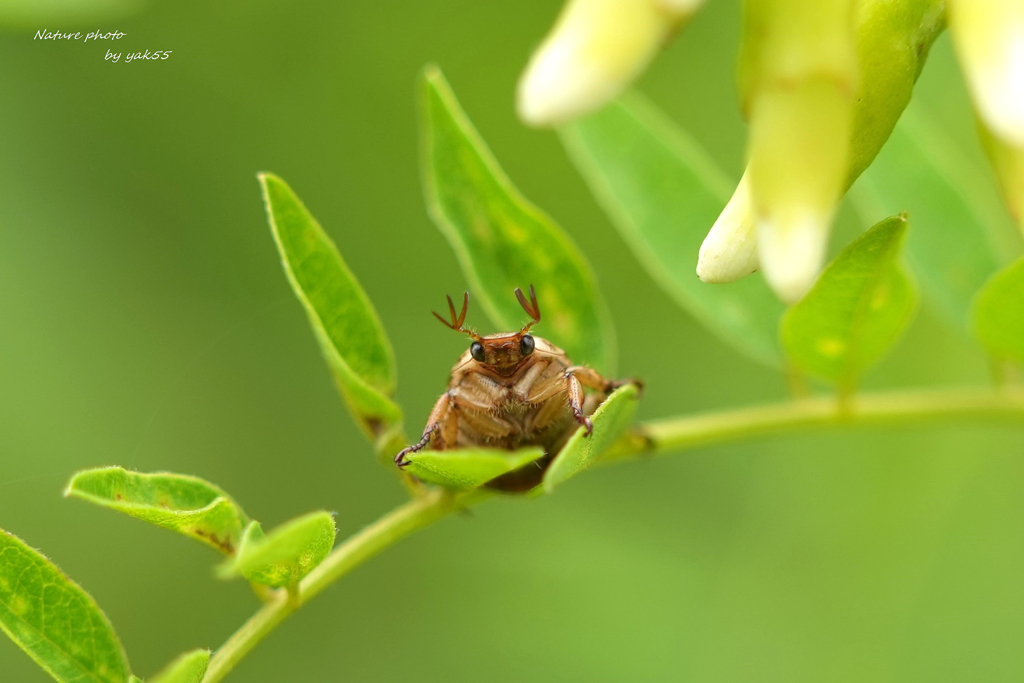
{"type": "Point", "coordinates": [145, 321]}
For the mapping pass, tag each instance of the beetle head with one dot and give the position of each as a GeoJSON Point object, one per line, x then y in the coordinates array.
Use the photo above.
{"type": "Point", "coordinates": [501, 352]}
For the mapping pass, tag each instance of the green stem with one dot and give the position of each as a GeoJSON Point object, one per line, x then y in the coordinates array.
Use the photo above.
{"type": "Point", "coordinates": [806, 414]}
{"type": "Point", "coordinates": [672, 434]}
{"type": "Point", "coordinates": [897, 407]}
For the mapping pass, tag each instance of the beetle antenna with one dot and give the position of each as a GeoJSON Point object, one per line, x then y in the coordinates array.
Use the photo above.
{"type": "Point", "coordinates": [530, 307]}
{"type": "Point", "coordinates": [457, 320]}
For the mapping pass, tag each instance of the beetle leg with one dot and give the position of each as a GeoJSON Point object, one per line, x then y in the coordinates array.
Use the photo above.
{"type": "Point", "coordinates": [400, 458]}
{"type": "Point", "coordinates": [442, 418]}
{"type": "Point", "coordinates": [549, 411]}
{"type": "Point", "coordinates": [574, 394]}
{"type": "Point", "coordinates": [546, 388]}
{"type": "Point", "coordinates": [571, 381]}
{"type": "Point", "coordinates": [528, 383]}
{"type": "Point", "coordinates": [487, 425]}
{"type": "Point", "coordinates": [448, 426]}
{"type": "Point", "coordinates": [579, 376]}
{"type": "Point", "coordinates": [476, 396]}
{"type": "Point", "coordinates": [591, 378]}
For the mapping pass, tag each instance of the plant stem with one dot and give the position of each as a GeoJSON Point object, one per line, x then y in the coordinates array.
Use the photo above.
{"type": "Point", "coordinates": [897, 407]}
{"type": "Point", "coordinates": [673, 434]}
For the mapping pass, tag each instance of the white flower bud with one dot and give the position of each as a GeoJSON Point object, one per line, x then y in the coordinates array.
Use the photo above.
{"type": "Point", "coordinates": [596, 48]}
{"type": "Point", "coordinates": [729, 252]}
{"type": "Point", "coordinates": [798, 78]}
{"type": "Point", "coordinates": [792, 253]}
{"type": "Point", "coordinates": [799, 142]}
{"type": "Point", "coordinates": [989, 38]}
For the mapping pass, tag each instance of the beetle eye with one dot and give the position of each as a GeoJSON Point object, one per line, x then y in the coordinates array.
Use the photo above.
{"type": "Point", "coordinates": [526, 345]}
{"type": "Point", "coordinates": [476, 349]}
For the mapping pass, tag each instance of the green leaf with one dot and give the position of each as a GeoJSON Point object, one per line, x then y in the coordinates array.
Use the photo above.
{"type": "Point", "coordinates": [178, 502]}
{"type": "Point", "coordinates": [503, 241]}
{"type": "Point", "coordinates": [999, 313]}
{"type": "Point", "coordinates": [610, 420]}
{"type": "Point", "coordinates": [468, 468]}
{"type": "Point", "coordinates": [662, 192]}
{"type": "Point", "coordinates": [857, 309]}
{"type": "Point", "coordinates": [287, 554]}
{"type": "Point", "coordinates": [952, 250]}
{"type": "Point", "coordinates": [188, 668]}
{"type": "Point", "coordinates": [54, 621]}
{"type": "Point", "coordinates": [344, 321]}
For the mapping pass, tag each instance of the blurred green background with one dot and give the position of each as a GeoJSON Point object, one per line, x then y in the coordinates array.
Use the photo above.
{"type": "Point", "coordinates": [145, 321]}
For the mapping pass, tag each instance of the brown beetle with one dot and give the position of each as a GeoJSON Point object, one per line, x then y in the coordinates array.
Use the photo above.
{"type": "Point", "coordinates": [510, 391]}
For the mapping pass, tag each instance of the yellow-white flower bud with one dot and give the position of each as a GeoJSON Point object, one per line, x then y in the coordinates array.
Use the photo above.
{"type": "Point", "coordinates": [729, 252]}
{"type": "Point", "coordinates": [798, 78]}
{"type": "Point", "coordinates": [596, 48]}
{"type": "Point", "coordinates": [989, 39]}
{"type": "Point", "coordinates": [892, 41]}
{"type": "Point", "coordinates": [799, 144]}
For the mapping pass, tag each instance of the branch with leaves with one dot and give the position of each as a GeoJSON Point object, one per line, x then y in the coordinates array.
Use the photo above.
{"type": "Point", "coordinates": [661, 191]}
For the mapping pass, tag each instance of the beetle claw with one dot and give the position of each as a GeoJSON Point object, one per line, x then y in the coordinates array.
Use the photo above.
{"type": "Point", "coordinates": [401, 460]}
{"type": "Point", "coordinates": [588, 425]}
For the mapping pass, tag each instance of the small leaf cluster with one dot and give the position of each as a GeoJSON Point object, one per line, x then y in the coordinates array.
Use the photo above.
{"type": "Point", "coordinates": [60, 626]}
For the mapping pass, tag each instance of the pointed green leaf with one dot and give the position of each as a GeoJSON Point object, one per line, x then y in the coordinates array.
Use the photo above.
{"type": "Point", "coordinates": [503, 241]}
{"type": "Point", "coordinates": [610, 420]}
{"type": "Point", "coordinates": [54, 621]}
{"type": "Point", "coordinates": [857, 309]}
{"type": "Point", "coordinates": [287, 554]}
{"type": "Point", "coordinates": [663, 193]}
{"type": "Point", "coordinates": [188, 668]}
{"type": "Point", "coordinates": [468, 468]}
{"type": "Point", "coordinates": [952, 250]}
{"type": "Point", "coordinates": [999, 313]}
{"type": "Point", "coordinates": [344, 321]}
{"type": "Point", "coordinates": [177, 502]}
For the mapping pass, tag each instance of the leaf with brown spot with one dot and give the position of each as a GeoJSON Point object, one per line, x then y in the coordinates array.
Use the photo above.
{"type": "Point", "coordinates": [178, 502]}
